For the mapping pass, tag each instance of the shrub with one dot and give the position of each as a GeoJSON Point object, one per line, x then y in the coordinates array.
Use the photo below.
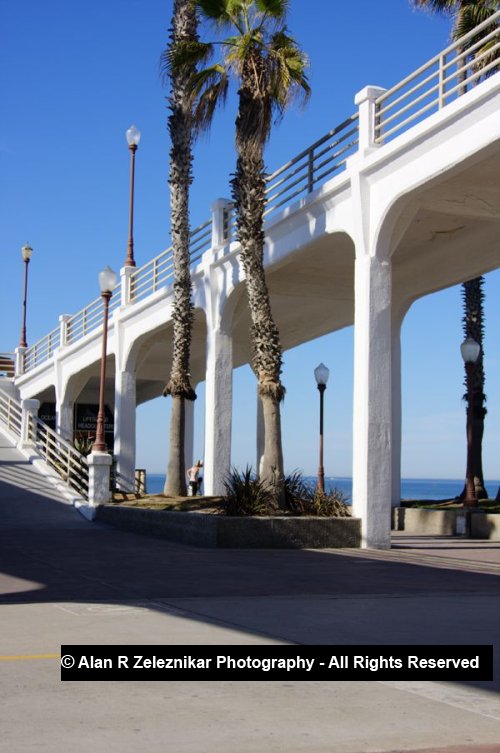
{"type": "Point", "coordinates": [302, 499]}
{"type": "Point", "coordinates": [246, 495]}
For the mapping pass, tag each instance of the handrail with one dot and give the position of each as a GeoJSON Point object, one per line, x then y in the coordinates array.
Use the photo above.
{"type": "Point", "coordinates": [42, 350]}
{"type": "Point", "coordinates": [60, 455]}
{"type": "Point", "coordinates": [11, 414]}
{"type": "Point", "coordinates": [430, 87]}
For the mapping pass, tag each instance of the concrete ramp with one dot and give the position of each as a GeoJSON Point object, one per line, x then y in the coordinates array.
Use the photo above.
{"type": "Point", "coordinates": [27, 498]}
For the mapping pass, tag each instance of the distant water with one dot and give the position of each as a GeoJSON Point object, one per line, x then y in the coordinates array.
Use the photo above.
{"type": "Point", "coordinates": [411, 488]}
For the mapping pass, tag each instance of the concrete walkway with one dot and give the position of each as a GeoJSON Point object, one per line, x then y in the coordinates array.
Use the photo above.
{"type": "Point", "coordinates": [65, 580]}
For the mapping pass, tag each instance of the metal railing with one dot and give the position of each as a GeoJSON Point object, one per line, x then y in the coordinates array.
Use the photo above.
{"type": "Point", "coordinates": [7, 364]}
{"type": "Point", "coordinates": [160, 270]}
{"type": "Point", "coordinates": [60, 455]}
{"type": "Point", "coordinates": [11, 414]}
{"type": "Point", "coordinates": [445, 77]}
{"type": "Point", "coordinates": [90, 318]}
{"type": "Point", "coordinates": [319, 162]}
{"type": "Point", "coordinates": [42, 350]}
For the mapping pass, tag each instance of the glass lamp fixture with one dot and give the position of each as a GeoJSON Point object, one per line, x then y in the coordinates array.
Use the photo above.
{"type": "Point", "coordinates": [26, 252]}
{"type": "Point", "coordinates": [470, 350]}
{"type": "Point", "coordinates": [321, 374]}
{"type": "Point", "coordinates": [133, 136]}
{"type": "Point", "coordinates": [107, 280]}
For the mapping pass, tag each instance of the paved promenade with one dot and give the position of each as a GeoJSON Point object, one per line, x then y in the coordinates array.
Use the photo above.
{"type": "Point", "coordinates": [66, 580]}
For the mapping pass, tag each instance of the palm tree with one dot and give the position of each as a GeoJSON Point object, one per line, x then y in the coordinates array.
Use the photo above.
{"type": "Point", "coordinates": [467, 14]}
{"type": "Point", "coordinates": [269, 68]}
{"type": "Point", "coordinates": [473, 326]}
{"type": "Point", "coordinates": [183, 29]}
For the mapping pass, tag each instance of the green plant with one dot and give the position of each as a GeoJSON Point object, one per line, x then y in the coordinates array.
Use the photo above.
{"type": "Point", "coordinates": [83, 444]}
{"type": "Point", "coordinates": [303, 499]}
{"type": "Point", "coordinates": [246, 495]}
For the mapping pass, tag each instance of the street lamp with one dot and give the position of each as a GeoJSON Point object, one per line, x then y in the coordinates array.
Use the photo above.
{"type": "Point", "coordinates": [133, 136]}
{"type": "Point", "coordinates": [107, 282]}
{"type": "Point", "coordinates": [321, 374]}
{"type": "Point", "coordinates": [26, 252]}
{"type": "Point", "coordinates": [470, 350]}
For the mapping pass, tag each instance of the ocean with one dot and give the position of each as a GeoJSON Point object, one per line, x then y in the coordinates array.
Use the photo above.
{"type": "Point", "coordinates": [411, 488]}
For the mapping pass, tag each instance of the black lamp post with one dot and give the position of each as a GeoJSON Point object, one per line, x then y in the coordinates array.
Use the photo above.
{"type": "Point", "coordinates": [26, 252]}
{"type": "Point", "coordinates": [470, 350]}
{"type": "Point", "coordinates": [133, 136]}
{"type": "Point", "coordinates": [107, 282]}
{"type": "Point", "coordinates": [321, 374]}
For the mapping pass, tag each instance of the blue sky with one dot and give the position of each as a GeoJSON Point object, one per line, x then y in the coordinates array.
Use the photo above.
{"type": "Point", "coordinates": [75, 76]}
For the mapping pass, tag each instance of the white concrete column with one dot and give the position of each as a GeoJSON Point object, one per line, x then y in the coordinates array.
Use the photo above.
{"type": "Point", "coordinates": [365, 100]}
{"type": "Point", "coordinates": [218, 409]}
{"type": "Point", "coordinates": [29, 411]}
{"type": "Point", "coordinates": [64, 419]}
{"type": "Point", "coordinates": [63, 329]}
{"type": "Point", "coordinates": [189, 432]}
{"type": "Point", "coordinates": [221, 209]}
{"type": "Point", "coordinates": [396, 410]}
{"type": "Point", "coordinates": [125, 275]}
{"type": "Point", "coordinates": [19, 365]}
{"type": "Point", "coordinates": [261, 437]}
{"type": "Point", "coordinates": [99, 471]}
{"type": "Point", "coordinates": [372, 421]}
{"type": "Point", "coordinates": [125, 432]}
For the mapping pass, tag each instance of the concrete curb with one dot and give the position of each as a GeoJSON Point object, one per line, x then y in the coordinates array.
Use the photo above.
{"type": "Point", "coordinates": [471, 524]}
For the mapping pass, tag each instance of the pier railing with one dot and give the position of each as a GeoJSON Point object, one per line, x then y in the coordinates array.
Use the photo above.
{"type": "Point", "coordinates": [445, 77]}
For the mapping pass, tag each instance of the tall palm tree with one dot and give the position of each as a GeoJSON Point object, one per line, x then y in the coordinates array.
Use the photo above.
{"type": "Point", "coordinates": [269, 69]}
{"type": "Point", "coordinates": [466, 15]}
{"type": "Point", "coordinates": [183, 30]}
{"type": "Point", "coordinates": [473, 326]}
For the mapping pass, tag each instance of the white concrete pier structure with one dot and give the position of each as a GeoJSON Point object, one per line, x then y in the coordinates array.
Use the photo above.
{"type": "Point", "coordinates": [393, 204]}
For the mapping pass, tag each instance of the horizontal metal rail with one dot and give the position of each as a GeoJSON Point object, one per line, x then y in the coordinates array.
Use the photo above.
{"type": "Point", "coordinates": [445, 77]}
{"type": "Point", "coordinates": [60, 455]}
{"type": "Point", "coordinates": [90, 318]}
{"type": "Point", "coordinates": [10, 414]}
{"type": "Point", "coordinates": [42, 350]}
{"type": "Point", "coordinates": [160, 271]}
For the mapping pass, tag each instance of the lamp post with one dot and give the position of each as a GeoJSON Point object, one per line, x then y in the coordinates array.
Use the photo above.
{"type": "Point", "coordinates": [470, 350]}
{"type": "Point", "coordinates": [26, 252]}
{"type": "Point", "coordinates": [321, 374]}
{"type": "Point", "coordinates": [133, 136]}
{"type": "Point", "coordinates": [107, 281]}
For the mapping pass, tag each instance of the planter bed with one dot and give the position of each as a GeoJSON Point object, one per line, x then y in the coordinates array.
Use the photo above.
{"type": "Point", "coordinates": [473, 524]}
{"type": "Point", "coordinates": [209, 530]}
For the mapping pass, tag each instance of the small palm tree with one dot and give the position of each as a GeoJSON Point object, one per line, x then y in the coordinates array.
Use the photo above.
{"type": "Point", "coordinates": [467, 14]}
{"type": "Point", "coordinates": [183, 30]}
{"type": "Point", "coordinates": [269, 68]}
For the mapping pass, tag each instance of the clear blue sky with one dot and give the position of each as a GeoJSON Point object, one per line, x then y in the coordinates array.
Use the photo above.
{"type": "Point", "coordinates": [74, 76]}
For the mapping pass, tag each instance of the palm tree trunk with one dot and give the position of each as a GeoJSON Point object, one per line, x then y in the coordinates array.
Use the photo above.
{"type": "Point", "coordinates": [473, 326]}
{"type": "Point", "coordinates": [248, 185]}
{"type": "Point", "coordinates": [180, 179]}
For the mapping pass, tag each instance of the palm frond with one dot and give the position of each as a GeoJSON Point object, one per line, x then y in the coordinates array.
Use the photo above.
{"type": "Point", "coordinates": [185, 54]}
{"type": "Point", "coordinates": [470, 16]}
{"type": "Point", "coordinates": [274, 8]}
{"type": "Point", "coordinates": [447, 7]}
{"type": "Point", "coordinates": [208, 90]}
